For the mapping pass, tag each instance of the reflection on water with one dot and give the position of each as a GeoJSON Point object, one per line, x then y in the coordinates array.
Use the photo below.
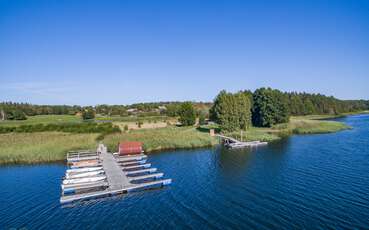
{"type": "Point", "coordinates": [233, 161]}
{"type": "Point", "coordinates": [309, 181]}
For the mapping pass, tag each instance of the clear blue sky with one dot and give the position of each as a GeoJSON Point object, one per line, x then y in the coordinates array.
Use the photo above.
{"type": "Point", "coordinates": [120, 52]}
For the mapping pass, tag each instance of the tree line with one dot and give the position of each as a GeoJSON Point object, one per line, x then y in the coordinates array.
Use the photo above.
{"type": "Point", "coordinates": [20, 111]}
{"type": "Point", "coordinates": [266, 107]}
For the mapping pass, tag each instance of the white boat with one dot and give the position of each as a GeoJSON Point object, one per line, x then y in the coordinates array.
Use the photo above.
{"type": "Point", "coordinates": [84, 180]}
{"type": "Point", "coordinates": [82, 170]}
{"type": "Point", "coordinates": [67, 186]}
{"type": "Point", "coordinates": [85, 174]}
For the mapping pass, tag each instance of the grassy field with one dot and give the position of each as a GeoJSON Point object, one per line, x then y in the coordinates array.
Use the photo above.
{"type": "Point", "coordinates": [27, 148]}
{"type": "Point", "coordinates": [43, 119]}
{"type": "Point", "coordinates": [163, 138]}
{"type": "Point", "coordinates": [52, 119]}
{"type": "Point", "coordinates": [131, 118]}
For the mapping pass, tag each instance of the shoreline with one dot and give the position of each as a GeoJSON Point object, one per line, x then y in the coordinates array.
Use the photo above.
{"type": "Point", "coordinates": [51, 147]}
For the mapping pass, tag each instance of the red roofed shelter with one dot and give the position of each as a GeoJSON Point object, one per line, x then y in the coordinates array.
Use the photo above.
{"type": "Point", "coordinates": [130, 148]}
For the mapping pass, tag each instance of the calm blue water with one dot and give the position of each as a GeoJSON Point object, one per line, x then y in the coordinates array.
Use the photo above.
{"type": "Point", "coordinates": [311, 181]}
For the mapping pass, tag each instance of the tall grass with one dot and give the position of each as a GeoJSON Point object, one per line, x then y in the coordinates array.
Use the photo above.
{"type": "Point", "coordinates": [52, 146]}
{"type": "Point", "coordinates": [41, 147]}
{"type": "Point", "coordinates": [163, 138]}
{"type": "Point", "coordinates": [297, 125]}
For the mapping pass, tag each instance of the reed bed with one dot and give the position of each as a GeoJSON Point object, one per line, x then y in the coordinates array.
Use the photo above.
{"type": "Point", "coordinates": [28, 148]}
{"type": "Point", "coordinates": [163, 138]}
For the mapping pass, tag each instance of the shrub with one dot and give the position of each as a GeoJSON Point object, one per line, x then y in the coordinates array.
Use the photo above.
{"type": "Point", "coordinates": [16, 115]}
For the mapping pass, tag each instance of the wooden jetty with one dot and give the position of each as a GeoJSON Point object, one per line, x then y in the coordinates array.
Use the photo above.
{"type": "Point", "coordinates": [233, 143]}
{"type": "Point", "coordinates": [119, 178]}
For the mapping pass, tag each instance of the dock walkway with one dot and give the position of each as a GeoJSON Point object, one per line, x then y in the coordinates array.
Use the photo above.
{"type": "Point", "coordinates": [117, 180]}
{"type": "Point", "coordinates": [114, 174]}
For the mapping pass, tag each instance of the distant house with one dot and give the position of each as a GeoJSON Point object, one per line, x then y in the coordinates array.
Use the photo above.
{"type": "Point", "coordinates": [162, 108]}
{"type": "Point", "coordinates": [132, 110]}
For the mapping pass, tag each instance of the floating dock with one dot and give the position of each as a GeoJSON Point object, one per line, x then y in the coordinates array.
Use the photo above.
{"type": "Point", "coordinates": [233, 143]}
{"type": "Point", "coordinates": [123, 174]}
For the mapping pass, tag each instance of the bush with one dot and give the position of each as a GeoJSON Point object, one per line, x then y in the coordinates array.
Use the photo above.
{"type": "Point", "coordinates": [16, 115]}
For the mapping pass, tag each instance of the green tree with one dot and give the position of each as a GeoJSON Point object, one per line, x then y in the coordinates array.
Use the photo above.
{"type": "Point", "coordinates": [88, 113]}
{"type": "Point", "coordinates": [231, 111]}
{"type": "Point", "coordinates": [173, 109]}
{"type": "Point", "coordinates": [202, 118]}
{"type": "Point", "coordinates": [244, 110]}
{"type": "Point", "coordinates": [187, 114]}
{"type": "Point", "coordinates": [270, 107]}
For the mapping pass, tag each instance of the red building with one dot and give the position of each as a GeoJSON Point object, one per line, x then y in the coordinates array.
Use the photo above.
{"type": "Point", "coordinates": [130, 148]}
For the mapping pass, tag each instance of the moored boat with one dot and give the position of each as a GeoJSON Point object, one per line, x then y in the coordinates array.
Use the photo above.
{"type": "Point", "coordinates": [88, 163]}
{"type": "Point", "coordinates": [84, 180]}
{"type": "Point", "coordinates": [82, 170]}
{"type": "Point", "coordinates": [85, 174]}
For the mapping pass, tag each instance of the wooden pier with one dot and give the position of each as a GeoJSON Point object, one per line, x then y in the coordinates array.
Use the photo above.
{"type": "Point", "coordinates": [233, 143]}
{"type": "Point", "coordinates": [122, 173]}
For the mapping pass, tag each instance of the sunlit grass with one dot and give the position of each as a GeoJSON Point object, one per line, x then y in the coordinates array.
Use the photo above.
{"type": "Point", "coordinates": [163, 138]}
{"type": "Point", "coordinates": [41, 147]}
{"type": "Point", "coordinates": [297, 125]}
{"type": "Point", "coordinates": [43, 119]}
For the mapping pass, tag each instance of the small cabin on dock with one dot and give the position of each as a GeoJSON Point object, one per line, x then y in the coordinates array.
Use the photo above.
{"type": "Point", "coordinates": [130, 148]}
